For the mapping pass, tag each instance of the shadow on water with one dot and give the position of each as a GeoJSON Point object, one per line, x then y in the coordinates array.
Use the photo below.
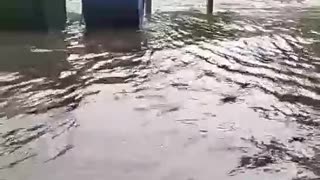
{"type": "Point", "coordinates": [113, 41]}
{"type": "Point", "coordinates": [263, 64]}
{"type": "Point", "coordinates": [33, 54]}
{"type": "Point", "coordinates": [40, 72]}
{"type": "Point", "coordinates": [38, 75]}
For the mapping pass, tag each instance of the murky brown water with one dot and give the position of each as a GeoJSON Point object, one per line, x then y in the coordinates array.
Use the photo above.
{"type": "Point", "coordinates": [192, 97]}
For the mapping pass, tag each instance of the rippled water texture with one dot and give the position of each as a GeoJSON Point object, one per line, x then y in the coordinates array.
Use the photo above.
{"type": "Point", "coordinates": [235, 95]}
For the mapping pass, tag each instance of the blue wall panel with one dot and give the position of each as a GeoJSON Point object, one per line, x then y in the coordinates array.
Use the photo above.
{"type": "Point", "coordinates": [112, 13]}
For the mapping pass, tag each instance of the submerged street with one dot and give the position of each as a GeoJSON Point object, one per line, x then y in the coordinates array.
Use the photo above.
{"type": "Point", "coordinates": [231, 96]}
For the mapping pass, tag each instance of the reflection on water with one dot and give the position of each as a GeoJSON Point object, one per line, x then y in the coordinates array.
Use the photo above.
{"type": "Point", "coordinates": [229, 96]}
{"type": "Point", "coordinates": [33, 54]}
{"type": "Point", "coordinates": [113, 41]}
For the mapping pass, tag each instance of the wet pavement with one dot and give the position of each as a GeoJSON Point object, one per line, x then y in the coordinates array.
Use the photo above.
{"type": "Point", "coordinates": [235, 95]}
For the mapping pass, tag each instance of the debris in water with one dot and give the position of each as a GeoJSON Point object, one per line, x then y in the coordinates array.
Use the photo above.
{"type": "Point", "coordinates": [245, 85]}
{"type": "Point", "coordinates": [297, 139]}
{"type": "Point", "coordinates": [13, 164]}
{"type": "Point", "coordinates": [61, 153]}
{"type": "Point", "coordinates": [229, 99]}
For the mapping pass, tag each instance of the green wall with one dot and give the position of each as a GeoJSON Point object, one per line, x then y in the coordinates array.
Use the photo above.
{"type": "Point", "coordinates": [32, 14]}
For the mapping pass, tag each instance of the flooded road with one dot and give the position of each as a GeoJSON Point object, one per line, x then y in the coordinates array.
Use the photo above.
{"type": "Point", "coordinates": [233, 96]}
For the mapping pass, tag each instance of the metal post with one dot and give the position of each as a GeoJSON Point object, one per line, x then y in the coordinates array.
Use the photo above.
{"type": "Point", "coordinates": [148, 6]}
{"type": "Point", "coordinates": [210, 6]}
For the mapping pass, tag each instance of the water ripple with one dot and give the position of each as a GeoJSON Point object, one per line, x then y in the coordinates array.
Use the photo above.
{"type": "Point", "coordinates": [245, 81]}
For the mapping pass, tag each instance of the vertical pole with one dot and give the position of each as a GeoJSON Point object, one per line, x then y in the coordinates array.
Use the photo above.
{"type": "Point", "coordinates": [148, 6]}
{"type": "Point", "coordinates": [210, 6]}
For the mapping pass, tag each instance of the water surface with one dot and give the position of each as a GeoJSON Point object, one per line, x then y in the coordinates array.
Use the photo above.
{"type": "Point", "coordinates": [191, 97]}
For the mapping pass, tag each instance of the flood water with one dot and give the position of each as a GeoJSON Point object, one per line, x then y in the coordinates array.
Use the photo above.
{"type": "Point", "coordinates": [233, 96]}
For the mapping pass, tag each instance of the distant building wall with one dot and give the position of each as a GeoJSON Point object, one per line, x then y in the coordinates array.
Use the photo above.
{"type": "Point", "coordinates": [31, 14]}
